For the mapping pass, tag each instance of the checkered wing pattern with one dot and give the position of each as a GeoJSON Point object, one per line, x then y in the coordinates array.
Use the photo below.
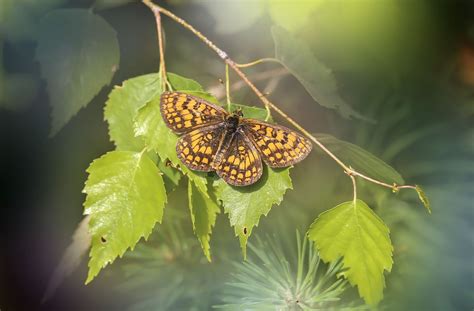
{"type": "Point", "coordinates": [278, 145]}
{"type": "Point", "coordinates": [239, 164]}
{"type": "Point", "coordinates": [183, 112]}
{"type": "Point", "coordinates": [211, 141]}
{"type": "Point", "coordinates": [198, 148]}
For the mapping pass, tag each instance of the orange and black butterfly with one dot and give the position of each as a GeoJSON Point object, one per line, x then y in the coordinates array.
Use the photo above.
{"type": "Point", "coordinates": [216, 140]}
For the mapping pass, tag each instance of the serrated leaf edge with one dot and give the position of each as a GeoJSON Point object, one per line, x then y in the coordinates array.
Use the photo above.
{"type": "Point", "coordinates": [144, 236]}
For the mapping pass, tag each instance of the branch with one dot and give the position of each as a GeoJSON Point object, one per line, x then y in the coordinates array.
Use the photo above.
{"type": "Point", "coordinates": [268, 104]}
{"type": "Point", "coordinates": [156, 11]}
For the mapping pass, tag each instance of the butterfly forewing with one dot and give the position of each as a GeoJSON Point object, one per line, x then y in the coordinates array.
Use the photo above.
{"type": "Point", "coordinates": [240, 164]}
{"type": "Point", "coordinates": [198, 148]}
{"type": "Point", "coordinates": [183, 112]}
{"type": "Point", "coordinates": [278, 145]}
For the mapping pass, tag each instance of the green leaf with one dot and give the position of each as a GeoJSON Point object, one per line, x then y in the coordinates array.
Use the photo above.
{"type": "Point", "coordinates": [423, 198]}
{"type": "Point", "coordinates": [78, 54]}
{"type": "Point", "coordinates": [356, 233]}
{"type": "Point", "coordinates": [316, 78]}
{"type": "Point", "coordinates": [122, 106]}
{"type": "Point", "coordinates": [125, 198]}
{"type": "Point", "coordinates": [245, 205]}
{"type": "Point", "coordinates": [203, 215]}
{"type": "Point", "coordinates": [180, 83]}
{"type": "Point", "coordinates": [157, 136]}
{"type": "Point", "coordinates": [361, 160]}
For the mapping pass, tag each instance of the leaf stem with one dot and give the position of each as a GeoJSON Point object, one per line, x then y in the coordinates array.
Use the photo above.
{"type": "Point", "coordinates": [268, 104]}
{"type": "Point", "coordinates": [354, 185]}
{"type": "Point", "coordinates": [156, 11]}
{"type": "Point", "coordinates": [258, 61]}
{"type": "Point", "coordinates": [227, 86]}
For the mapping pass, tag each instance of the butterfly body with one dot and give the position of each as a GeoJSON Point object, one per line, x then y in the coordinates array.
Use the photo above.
{"type": "Point", "coordinates": [231, 125]}
{"type": "Point", "coordinates": [215, 140]}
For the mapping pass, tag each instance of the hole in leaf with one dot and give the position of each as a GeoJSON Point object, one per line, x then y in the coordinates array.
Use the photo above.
{"type": "Point", "coordinates": [168, 163]}
{"type": "Point", "coordinates": [245, 230]}
{"type": "Point", "coordinates": [103, 239]}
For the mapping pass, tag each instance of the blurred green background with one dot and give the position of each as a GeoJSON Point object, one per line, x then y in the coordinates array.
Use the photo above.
{"type": "Point", "coordinates": [408, 65]}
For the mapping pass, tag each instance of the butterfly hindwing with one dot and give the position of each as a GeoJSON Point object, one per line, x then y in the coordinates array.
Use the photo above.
{"type": "Point", "coordinates": [198, 148]}
{"type": "Point", "coordinates": [183, 112]}
{"type": "Point", "coordinates": [239, 164]}
{"type": "Point", "coordinates": [278, 145]}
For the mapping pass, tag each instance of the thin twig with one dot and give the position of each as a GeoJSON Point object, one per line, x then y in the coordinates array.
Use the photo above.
{"type": "Point", "coordinates": [156, 11]}
{"type": "Point", "coordinates": [227, 86]}
{"type": "Point", "coordinates": [394, 187]}
{"type": "Point", "coordinates": [268, 104]}
{"type": "Point", "coordinates": [258, 61]}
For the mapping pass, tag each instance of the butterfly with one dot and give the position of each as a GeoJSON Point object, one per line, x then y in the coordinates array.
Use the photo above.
{"type": "Point", "coordinates": [213, 139]}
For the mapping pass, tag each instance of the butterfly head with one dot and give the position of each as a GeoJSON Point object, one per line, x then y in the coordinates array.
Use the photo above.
{"type": "Point", "coordinates": [238, 113]}
{"type": "Point", "coordinates": [233, 120]}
